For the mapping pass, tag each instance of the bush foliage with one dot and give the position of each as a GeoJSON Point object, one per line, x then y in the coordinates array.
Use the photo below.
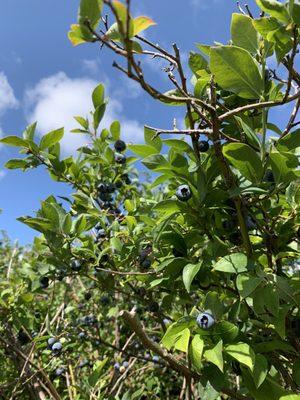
{"type": "Point", "coordinates": [184, 285]}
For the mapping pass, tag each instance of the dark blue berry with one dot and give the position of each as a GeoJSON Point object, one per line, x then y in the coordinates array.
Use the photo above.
{"type": "Point", "coordinates": [183, 193]}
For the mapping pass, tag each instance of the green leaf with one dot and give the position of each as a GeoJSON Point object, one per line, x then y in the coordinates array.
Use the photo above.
{"type": "Point", "coordinates": [175, 331]}
{"type": "Point", "coordinates": [243, 353]}
{"type": "Point", "coordinates": [115, 130]}
{"type": "Point", "coordinates": [196, 351]}
{"type": "Point", "coordinates": [227, 331]}
{"type": "Point", "coordinates": [82, 121]}
{"type": "Point", "coordinates": [16, 163]}
{"type": "Point", "coordinates": [142, 150]}
{"type": "Point", "coordinates": [233, 264]}
{"type": "Point", "coordinates": [261, 369]}
{"type": "Point", "coordinates": [249, 133]}
{"type": "Point", "coordinates": [289, 142]}
{"type": "Point", "coordinates": [290, 397]}
{"type": "Point", "coordinates": [79, 34]}
{"type": "Point", "coordinates": [14, 141]}
{"type": "Point", "coordinates": [245, 160]}
{"type": "Point", "coordinates": [197, 62]}
{"type": "Point", "coordinates": [182, 343]}
{"type": "Point", "coordinates": [150, 140]}
{"type": "Point", "coordinates": [235, 70]}
{"type": "Point", "coordinates": [188, 274]}
{"type": "Point", "coordinates": [29, 132]}
{"type": "Point", "coordinates": [270, 389]}
{"type": "Point", "coordinates": [90, 10]}
{"type": "Point", "coordinates": [98, 95]}
{"type": "Point", "coordinates": [98, 115]}
{"type": "Point", "coordinates": [51, 138]}
{"type": "Point", "coordinates": [155, 162]}
{"type": "Point", "coordinates": [284, 166]}
{"type": "Point", "coordinates": [215, 355]}
{"type": "Point", "coordinates": [142, 23]}
{"type": "Point", "coordinates": [247, 284]}
{"type": "Point", "coordinates": [243, 33]}
{"type": "Point", "coordinates": [275, 9]}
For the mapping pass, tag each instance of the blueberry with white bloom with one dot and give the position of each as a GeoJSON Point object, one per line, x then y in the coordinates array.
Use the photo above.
{"type": "Point", "coordinates": [205, 320]}
{"type": "Point", "coordinates": [51, 342]}
{"type": "Point", "coordinates": [56, 348]}
{"type": "Point", "coordinates": [120, 158]}
{"type": "Point", "coordinates": [183, 193]}
{"type": "Point", "coordinates": [117, 366]}
{"type": "Point", "coordinates": [125, 364]}
{"type": "Point", "coordinates": [155, 359]}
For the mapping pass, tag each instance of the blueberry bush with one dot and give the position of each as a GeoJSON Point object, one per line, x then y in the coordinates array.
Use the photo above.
{"type": "Point", "coordinates": [184, 285]}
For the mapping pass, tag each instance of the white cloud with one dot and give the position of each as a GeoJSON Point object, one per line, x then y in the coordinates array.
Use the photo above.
{"type": "Point", "coordinates": [55, 100]}
{"type": "Point", "coordinates": [7, 97]}
{"type": "Point", "coordinates": [2, 174]}
{"type": "Point", "coordinates": [91, 66]}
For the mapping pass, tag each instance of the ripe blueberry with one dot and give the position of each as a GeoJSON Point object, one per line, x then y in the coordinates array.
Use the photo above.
{"type": "Point", "coordinates": [51, 342]}
{"type": "Point", "coordinates": [44, 282]}
{"type": "Point", "coordinates": [125, 364]}
{"type": "Point", "coordinates": [117, 366]}
{"type": "Point", "coordinates": [146, 263]}
{"type": "Point", "coordinates": [59, 371]}
{"type": "Point", "coordinates": [155, 359]}
{"type": "Point", "coordinates": [205, 320]}
{"type": "Point", "coordinates": [203, 146]}
{"type": "Point", "coordinates": [269, 176]}
{"type": "Point", "coordinates": [120, 146]}
{"type": "Point", "coordinates": [183, 193]}
{"type": "Point", "coordinates": [75, 265]}
{"type": "Point", "coordinates": [56, 348]}
{"type": "Point", "coordinates": [120, 158]}
{"type": "Point", "coordinates": [87, 296]}
{"type": "Point", "coordinates": [81, 335]}
{"type": "Point", "coordinates": [105, 300]}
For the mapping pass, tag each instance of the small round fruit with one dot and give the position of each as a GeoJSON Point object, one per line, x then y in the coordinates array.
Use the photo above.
{"type": "Point", "coordinates": [59, 371]}
{"type": "Point", "coordinates": [87, 296]}
{"type": "Point", "coordinates": [203, 146]}
{"type": "Point", "coordinates": [183, 193]}
{"type": "Point", "coordinates": [117, 366]}
{"type": "Point", "coordinates": [44, 282]}
{"type": "Point", "coordinates": [122, 369]}
{"type": "Point", "coordinates": [205, 320]}
{"type": "Point", "coordinates": [105, 300]}
{"type": "Point", "coordinates": [75, 265]}
{"type": "Point", "coordinates": [102, 187]}
{"type": "Point", "coordinates": [269, 176]}
{"type": "Point", "coordinates": [56, 348]}
{"type": "Point", "coordinates": [120, 158]}
{"type": "Point", "coordinates": [120, 146]}
{"type": "Point", "coordinates": [125, 364]}
{"type": "Point", "coordinates": [81, 335]}
{"type": "Point", "coordinates": [155, 359]}
{"type": "Point", "coordinates": [146, 263]}
{"type": "Point", "coordinates": [51, 342]}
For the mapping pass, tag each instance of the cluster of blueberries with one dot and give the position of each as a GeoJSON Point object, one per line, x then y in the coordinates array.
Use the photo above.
{"type": "Point", "coordinates": [121, 368]}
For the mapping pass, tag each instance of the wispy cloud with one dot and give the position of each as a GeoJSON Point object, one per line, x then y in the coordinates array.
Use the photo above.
{"type": "Point", "coordinates": [7, 96]}
{"type": "Point", "coordinates": [55, 100]}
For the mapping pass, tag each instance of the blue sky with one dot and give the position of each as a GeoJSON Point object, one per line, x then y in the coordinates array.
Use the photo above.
{"type": "Point", "coordinates": [43, 78]}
